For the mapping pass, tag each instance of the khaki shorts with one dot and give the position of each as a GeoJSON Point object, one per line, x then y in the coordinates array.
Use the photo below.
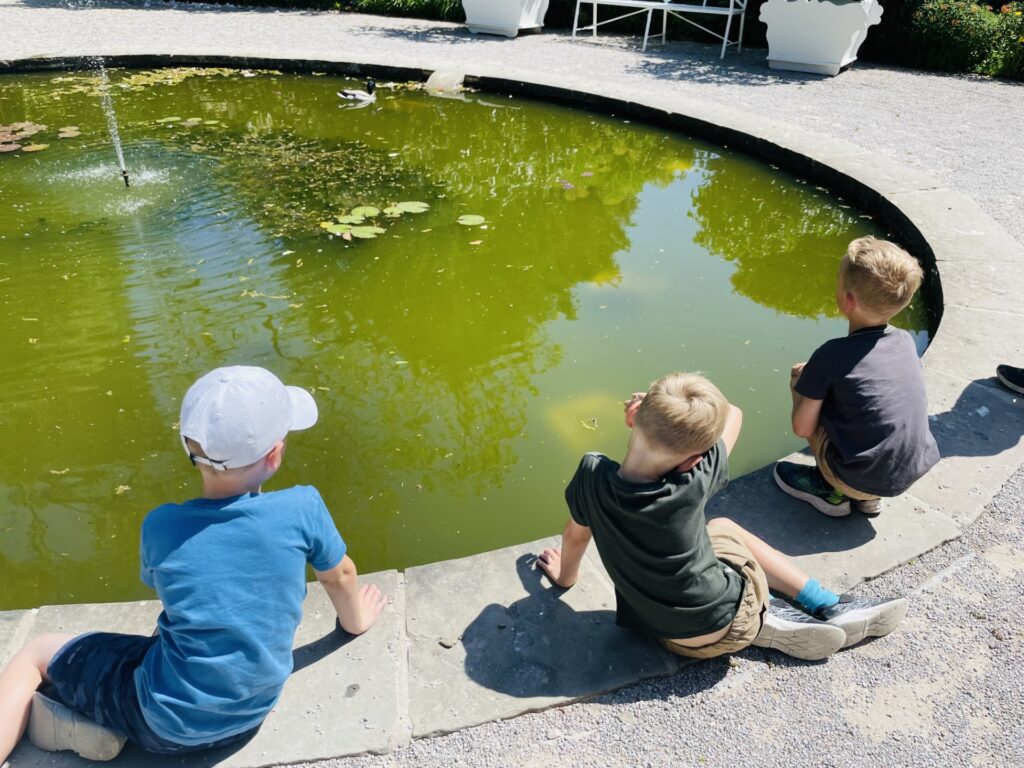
{"type": "Point", "coordinates": [819, 443]}
{"type": "Point", "coordinates": [730, 548]}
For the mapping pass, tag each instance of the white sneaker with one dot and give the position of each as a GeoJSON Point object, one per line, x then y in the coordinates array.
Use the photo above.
{"type": "Point", "coordinates": [795, 633]}
{"type": "Point", "coordinates": [54, 727]}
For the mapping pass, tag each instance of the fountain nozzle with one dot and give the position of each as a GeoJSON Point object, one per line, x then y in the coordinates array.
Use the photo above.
{"type": "Point", "coordinates": [124, 175]}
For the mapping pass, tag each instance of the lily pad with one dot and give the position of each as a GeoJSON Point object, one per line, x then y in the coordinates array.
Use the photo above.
{"type": "Point", "coordinates": [471, 220]}
{"type": "Point", "coordinates": [326, 224]}
{"type": "Point", "coordinates": [168, 120]}
{"type": "Point", "coordinates": [338, 229]}
{"type": "Point", "coordinates": [69, 132]}
{"type": "Point", "coordinates": [412, 206]}
{"type": "Point", "coordinates": [35, 147]}
{"type": "Point", "coordinates": [367, 233]}
{"type": "Point", "coordinates": [9, 147]}
{"type": "Point", "coordinates": [366, 211]}
{"type": "Point", "coordinates": [351, 219]}
{"type": "Point", "coordinates": [393, 211]}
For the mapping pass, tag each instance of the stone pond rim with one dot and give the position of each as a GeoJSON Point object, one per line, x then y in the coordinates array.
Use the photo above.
{"type": "Point", "coordinates": [749, 142]}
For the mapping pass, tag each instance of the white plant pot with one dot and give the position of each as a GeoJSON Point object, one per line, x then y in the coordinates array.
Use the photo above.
{"type": "Point", "coordinates": [504, 17]}
{"type": "Point", "coordinates": [817, 36]}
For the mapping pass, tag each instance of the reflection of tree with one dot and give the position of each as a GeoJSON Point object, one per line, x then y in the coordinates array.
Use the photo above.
{"type": "Point", "coordinates": [786, 240]}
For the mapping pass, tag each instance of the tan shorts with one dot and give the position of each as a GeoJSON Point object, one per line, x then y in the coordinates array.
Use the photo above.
{"type": "Point", "coordinates": [729, 547]}
{"type": "Point", "coordinates": [819, 443]}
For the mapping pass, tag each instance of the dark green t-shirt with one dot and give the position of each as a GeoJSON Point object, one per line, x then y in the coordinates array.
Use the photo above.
{"type": "Point", "coordinates": [653, 541]}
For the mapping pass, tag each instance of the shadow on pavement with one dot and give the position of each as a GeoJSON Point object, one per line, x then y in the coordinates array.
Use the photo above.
{"type": "Point", "coordinates": [539, 646]}
{"type": "Point", "coordinates": [982, 422]}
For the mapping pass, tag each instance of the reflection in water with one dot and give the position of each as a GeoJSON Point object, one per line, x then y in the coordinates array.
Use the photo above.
{"type": "Point", "coordinates": [460, 371]}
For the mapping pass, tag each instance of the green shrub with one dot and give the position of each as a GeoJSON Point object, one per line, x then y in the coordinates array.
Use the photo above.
{"type": "Point", "coordinates": [956, 35]}
{"type": "Point", "coordinates": [1011, 41]}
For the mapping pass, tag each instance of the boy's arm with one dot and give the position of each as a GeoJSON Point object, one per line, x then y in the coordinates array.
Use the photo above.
{"type": "Point", "coordinates": [562, 565]}
{"type": "Point", "coordinates": [733, 423]}
{"type": "Point", "coordinates": [806, 410]}
{"type": "Point", "coordinates": [357, 607]}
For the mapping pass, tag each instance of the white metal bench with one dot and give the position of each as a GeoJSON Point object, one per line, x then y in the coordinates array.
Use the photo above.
{"type": "Point", "coordinates": [675, 8]}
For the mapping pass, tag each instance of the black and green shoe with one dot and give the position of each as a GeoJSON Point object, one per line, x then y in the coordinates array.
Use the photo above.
{"type": "Point", "coordinates": [807, 484]}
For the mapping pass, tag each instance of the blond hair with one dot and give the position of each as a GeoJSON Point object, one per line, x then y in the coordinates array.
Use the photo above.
{"type": "Point", "coordinates": [882, 276]}
{"type": "Point", "coordinates": [682, 413]}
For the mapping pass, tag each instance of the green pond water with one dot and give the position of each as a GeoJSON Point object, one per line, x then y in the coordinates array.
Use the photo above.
{"type": "Point", "coordinates": [460, 371]}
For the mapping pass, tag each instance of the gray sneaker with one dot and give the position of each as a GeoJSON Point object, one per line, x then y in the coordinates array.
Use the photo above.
{"type": "Point", "coordinates": [872, 508]}
{"type": "Point", "coordinates": [862, 617]}
{"type": "Point", "coordinates": [54, 727]}
{"type": "Point", "coordinates": [795, 633]}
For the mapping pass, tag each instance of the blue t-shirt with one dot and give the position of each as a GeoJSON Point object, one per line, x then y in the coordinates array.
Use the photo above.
{"type": "Point", "coordinates": [231, 574]}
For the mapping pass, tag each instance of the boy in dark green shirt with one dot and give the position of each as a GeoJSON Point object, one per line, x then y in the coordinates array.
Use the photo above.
{"type": "Point", "coordinates": [701, 589]}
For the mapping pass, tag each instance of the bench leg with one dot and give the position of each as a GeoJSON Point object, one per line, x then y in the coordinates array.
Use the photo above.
{"type": "Point", "coordinates": [743, 20]}
{"type": "Point", "coordinates": [647, 29]}
{"type": "Point", "coordinates": [725, 37]}
{"type": "Point", "coordinates": [595, 20]}
{"type": "Point", "coordinates": [576, 19]}
{"type": "Point", "coordinates": [664, 25]}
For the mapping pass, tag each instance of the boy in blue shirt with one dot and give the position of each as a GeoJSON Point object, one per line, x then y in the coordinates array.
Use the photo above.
{"type": "Point", "coordinates": [229, 568]}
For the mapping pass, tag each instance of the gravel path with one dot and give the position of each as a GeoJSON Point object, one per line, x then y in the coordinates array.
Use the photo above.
{"type": "Point", "coordinates": [946, 689]}
{"type": "Point", "coordinates": [965, 131]}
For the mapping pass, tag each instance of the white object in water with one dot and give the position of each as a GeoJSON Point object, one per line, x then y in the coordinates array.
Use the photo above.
{"type": "Point", "coordinates": [361, 97]}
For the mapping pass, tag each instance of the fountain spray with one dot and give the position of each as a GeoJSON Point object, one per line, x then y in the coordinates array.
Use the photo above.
{"type": "Point", "coordinates": [108, 111]}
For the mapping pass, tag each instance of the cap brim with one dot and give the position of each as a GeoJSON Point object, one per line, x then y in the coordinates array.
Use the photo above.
{"type": "Point", "coordinates": [304, 412]}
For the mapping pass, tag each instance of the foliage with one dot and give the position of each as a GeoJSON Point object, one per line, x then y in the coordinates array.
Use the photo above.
{"type": "Point", "coordinates": [955, 35]}
{"type": "Point", "coordinates": [1011, 41]}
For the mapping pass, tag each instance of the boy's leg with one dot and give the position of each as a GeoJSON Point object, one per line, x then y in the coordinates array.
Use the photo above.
{"type": "Point", "coordinates": [858, 617]}
{"type": "Point", "coordinates": [18, 682]}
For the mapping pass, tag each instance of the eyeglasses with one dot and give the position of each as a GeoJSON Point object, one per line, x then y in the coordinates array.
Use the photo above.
{"type": "Point", "coordinates": [220, 466]}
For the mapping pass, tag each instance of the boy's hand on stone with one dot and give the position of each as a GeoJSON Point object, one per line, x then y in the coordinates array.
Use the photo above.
{"type": "Point", "coordinates": [371, 603]}
{"type": "Point", "coordinates": [630, 406]}
{"type": "Point", "coordinates": [550, 561]}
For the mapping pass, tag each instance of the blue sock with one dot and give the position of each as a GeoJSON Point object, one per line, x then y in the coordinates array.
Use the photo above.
{"type": "Point", "coordinates": [814, 596]}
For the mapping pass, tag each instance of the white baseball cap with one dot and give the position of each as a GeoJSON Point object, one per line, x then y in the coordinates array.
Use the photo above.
{"type": "Point", "coordinates": [238, 413]}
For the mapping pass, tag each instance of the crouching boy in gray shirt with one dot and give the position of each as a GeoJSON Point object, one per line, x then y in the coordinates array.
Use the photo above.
{"type": "Point", "coordinates": [860, 400]}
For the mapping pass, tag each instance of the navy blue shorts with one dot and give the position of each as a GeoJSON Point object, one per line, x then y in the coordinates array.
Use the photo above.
{"type": "Point", "coordinates": [94, 674]}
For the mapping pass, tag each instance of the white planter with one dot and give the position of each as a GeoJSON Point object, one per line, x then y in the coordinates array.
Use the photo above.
{"type": "Point", "coordinates": [504, 17]}
{"type": "Point", "coordinates": [817, 36]}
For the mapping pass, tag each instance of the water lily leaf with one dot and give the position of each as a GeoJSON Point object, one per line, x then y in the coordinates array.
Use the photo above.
{"type": "Point", "coordinates": [393, 211]}
{"type": "Point", "coordinates": [69, 132]}
{"type": "Point", "coordinates": [168, 120]}
{"type": "Point", "coordinates": [367, 233]}
{"type": "Point", "coordinates": [351, 219]}
{"type": "Point", "coordinates": [338, 229]}
{"type": "Point", "coordinates": [471, 220]}
{"type": "Point", "coordinates": [211, 122]}
{"type": "Point", "coordinates": [412, 206]}
{"type": "Point", "coordinates": [9, 147]}
{"type": "Point", "coordinates": [366, 211]}
{"type": "Point", "coordinates": [35, 147]}
{"type": "Point", "coordinates": [326, 224]}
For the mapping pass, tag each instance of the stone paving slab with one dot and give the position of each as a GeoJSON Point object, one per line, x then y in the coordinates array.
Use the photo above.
{"type": "Point", "coordinates": [971, 342]}
{"type": "Point", "coordinates": [979, 428]}
{"type": "Point", "coordinates": [345, 696]}
{"type": "Point", "coordinates": [489, 638]}
{"type": "Point", "coordinates": [11, 633]}
{"type": "Point", "coordinates": [840, 552]}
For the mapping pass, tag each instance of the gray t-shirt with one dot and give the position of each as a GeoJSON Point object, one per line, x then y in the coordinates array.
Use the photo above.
{"type": "Point", "coordinates": [653, 541]}
{"type": "Point", "coordinates": [875, 411]}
